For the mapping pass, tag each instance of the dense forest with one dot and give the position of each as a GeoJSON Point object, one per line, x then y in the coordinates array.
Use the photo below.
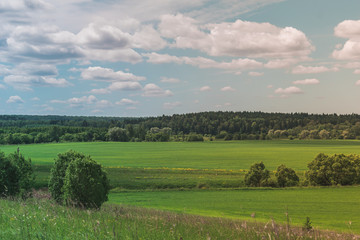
{"type": "Point", "coordinates": [26, 129]}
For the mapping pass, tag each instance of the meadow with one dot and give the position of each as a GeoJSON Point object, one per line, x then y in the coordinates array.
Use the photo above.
{"type": "Point", "coordinates": [207, 178]}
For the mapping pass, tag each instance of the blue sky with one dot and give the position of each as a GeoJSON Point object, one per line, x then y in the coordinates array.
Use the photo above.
{"type": "Point", "coordinates": [148, 58]}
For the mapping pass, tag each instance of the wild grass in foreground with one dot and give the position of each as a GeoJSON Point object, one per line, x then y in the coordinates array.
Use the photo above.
{"type": "Point", "coordinates": [42, 219]}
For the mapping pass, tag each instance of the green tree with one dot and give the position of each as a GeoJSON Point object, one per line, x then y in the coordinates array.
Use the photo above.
{"type": "Point", "coordinates": [286, 177]}
{"type": "Point", "coordinates": [85, 183]}
{"type": "Point", "coordinates": [9, 177]}
{"type": "Point", "coordinates": [257, 175]}
{"type": "Point", "coordinates": [57, 173]}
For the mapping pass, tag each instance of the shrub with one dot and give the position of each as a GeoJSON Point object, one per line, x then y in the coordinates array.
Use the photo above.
{"type": "Point", "coordinates": [337, 169]}
{"type": "Point", "coordinates": [9, 177]}
{"type": "Point", "coordinates": [16, 175]}
{"type": "Point", "coordinates": [85, 183]}
{"type": "Point", "coordinates": [257, 175]}
{"type": "Point", "coordinates": [77, 179]}
{"type": "Point", "coordinates": [286, 177]}
{"type": "Point", "coordinates": [57, 173]}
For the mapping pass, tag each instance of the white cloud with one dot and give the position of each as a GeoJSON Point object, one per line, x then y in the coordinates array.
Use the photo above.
{"type": "Point", "coordinates": [202, 62]}
{"type": "Point", "coordinates": [255, 74]}
{"type": "Point", "coordinates": [152, 90]}
{"type": "Point", "coordinates": [15, 99]}
{"type": "Point", "coordinates": [126, 101]}
{"type": "Point", "coordinates": [170, 80]}
{"type": "Point", "coordinates": [2, 86]}
{"type": "Point", "coordinates": [269, 86]}
{"type": "Point", "coordinates": [205, 89]}
{"type": "Point", "coordinates": [107, 74]}
{"type": "Point", "coordinates": [351, 49]}
{"type": "Point", "coordinates": [237, 39]}
{"type": "Point", "coordinates": [357, 71]}
{"type": "Point", "coordinates": [289, 90]}
{"type": "Point", "coordinates": [35, 99]}
{"type": "Point", "coordinates": [25, 83]}
{"type": "Point", "coordinates": [357, 83]}
{"type": "Point", "coordinates": [172, 105]}
{"type": "Point", "coordinates": [228, 89]}
{"type": "Point", "coordinates": [310, 69]}
{"type": "Point", "coordinates": [84, 101]}
{"type": "Point", "coordinates": [311, 81]}
{"type": "Point", "coordinates": [100, 91]}
{"type": "Point", "coordinates": [125, 86]}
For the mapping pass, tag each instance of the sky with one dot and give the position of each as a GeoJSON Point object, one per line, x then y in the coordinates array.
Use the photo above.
{"type": "Point", "coordinates": [152, 57]}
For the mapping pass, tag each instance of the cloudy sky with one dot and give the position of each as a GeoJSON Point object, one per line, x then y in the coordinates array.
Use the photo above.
{"type": "Point", "coordinates": [154, 57]}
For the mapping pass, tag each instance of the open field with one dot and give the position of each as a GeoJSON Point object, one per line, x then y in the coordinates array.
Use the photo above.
{"type": "Point", "coordinates": [214, 165]}
{"type": "Point", "coordinates": [204, 155]}
{"type": "Point", "coordinates": [328, 208]}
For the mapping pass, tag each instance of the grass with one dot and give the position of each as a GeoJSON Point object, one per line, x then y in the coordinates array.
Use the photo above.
{"type": "Point", "coordinates": [205, 155]}
{"type": "Point", "coordinates": [42, 219]}
{"type": "Point", "coordinates": [336, 208]}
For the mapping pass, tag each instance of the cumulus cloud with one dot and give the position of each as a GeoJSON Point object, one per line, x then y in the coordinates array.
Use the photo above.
{"type": "Point", "coordinates": [126, 101]}
{"type": "Point", "coordinates": [228, 89]}
{"type": "Point", "coordinates": [25, 83]}
{"type": "Point", "coordinates": [171, 105]}
{"type": "Point", "coordinates": [357, 71]}
{"type": "Point", "coordinates": [289, 90]}
{"type": "Point", "coordinates": [357, 83]}
{"type": "Point", "coordinates": [152, 90]}
{"type": "Point", "coordinates": [15, 99]}
{"type": "Point", "coordinates": [2, 86]}
{"type": "Point", "coordinates": [311, 81]}
{"type": "Point", "coordinates": [205, 89]}
{"type": "Point", "coordinates": [236, 39]}
{"type": "Point", "coordinates": [125, 86]}
{"type": "Point", "coordinates": [170, 80]}
{"type": "Point", "coordinates": [84, 101]}
{"type": "Point", "coordinates": [202, 62]}
{"type": "Point", "coordinates": [351, 49]}
{"type": "Point", "coordinates": [109, 75]}
{"type": "Point", "coordinates": [255, 74]}
{"type": "Point", "coordinates": [310, 69]}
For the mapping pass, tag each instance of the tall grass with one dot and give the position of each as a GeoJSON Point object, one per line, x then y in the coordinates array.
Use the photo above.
{"type": "Point", "coordinates": [41, 218]}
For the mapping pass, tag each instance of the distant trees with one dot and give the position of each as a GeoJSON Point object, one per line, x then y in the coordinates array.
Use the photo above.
{"type": "Point", "coordinates": [257, 176]}
{"type": "Point", "coordinates": [286, 177]}
{"type": "Point", "coordinates": [77, 179]}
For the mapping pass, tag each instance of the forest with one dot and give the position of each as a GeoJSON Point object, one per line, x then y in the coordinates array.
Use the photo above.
{"type": "Point", "coordinates": [27, 129]}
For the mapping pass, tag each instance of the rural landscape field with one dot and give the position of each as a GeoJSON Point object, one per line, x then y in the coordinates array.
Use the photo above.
{"type": "Point", "coordinates": [178, 120]}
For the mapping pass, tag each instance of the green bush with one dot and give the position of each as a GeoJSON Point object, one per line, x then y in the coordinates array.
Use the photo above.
{"type": "Point", "coordinates": [16, 175]}
{"type": "Point", "coordinates": [286, 177]}
{"type": "Point", "coordinates": [337, 169]}
{"type": "Point", "coordinates": [257, 175]}
{"type": "Point", "coordinates": [78, 180]}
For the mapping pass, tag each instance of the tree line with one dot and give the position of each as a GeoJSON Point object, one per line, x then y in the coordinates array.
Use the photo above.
{"type": "Point", "coordinates": [23, 129]}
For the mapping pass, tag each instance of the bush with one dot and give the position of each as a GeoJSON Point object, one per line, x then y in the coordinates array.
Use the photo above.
{"type": "Point", "coordinates": [16, 175]}
{"type": "Point", "coordinates": [286, 177]}
{"type": "Point", "coordinates": [257, 175]}
{"type": "Point", "coordinates": [77, 179]}
{"type": "Point", "coordinates": [337, 169]}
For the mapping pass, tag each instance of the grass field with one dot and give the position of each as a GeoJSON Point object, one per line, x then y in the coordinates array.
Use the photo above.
{"type": "Point", "coordinates": [214, 165]}
{"type": "Point", "coordinates": [328, 208]}
{"type": "Point", "coordinates": [204, 155]}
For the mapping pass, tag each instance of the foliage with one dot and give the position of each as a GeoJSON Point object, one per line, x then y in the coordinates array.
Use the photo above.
{"type": "Point", "coordinates": [307, 224]}
{"type": "Point", "coordinates": [257, 175]}
{"type": "Point", "coordinates": [286, 177]}
{"type": "Point", "coordinates": [9, 177]}
{"type": "Point", "coordinates": [117, 134]}
{"type": "Point", "coordinates": [193, 137]}
{"type": "Point", "coordinates": [85, 183]}
{"type": "Point", "coordinates": [337, 169]}
{"type": "Point", "coordinates": [58, 172]}
{"type": "Point", "coordinates": [16, 175]}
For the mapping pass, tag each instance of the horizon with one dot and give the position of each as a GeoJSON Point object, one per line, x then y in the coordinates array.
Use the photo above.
{"type": "Point", "coordinates": [80, 58]}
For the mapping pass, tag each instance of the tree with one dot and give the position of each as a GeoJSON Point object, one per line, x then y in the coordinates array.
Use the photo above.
{"type": "Point", "coordinates": [286, 177]}
{"type": "Point", "coordinates": [79, 180]}
{"type": "Point", "coordinates": [57, 173]}
{"type": "Point", "coordinates": [118, 134]}
{"type": "Point", "coordinates": [257, 175]}
{"type": "Point", "coordinates": [85, 183]}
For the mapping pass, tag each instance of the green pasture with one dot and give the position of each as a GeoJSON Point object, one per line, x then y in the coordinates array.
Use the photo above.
{"type": "Point", "coordinates": [335, 208]}
{"type": "Point", "coordinates": [205, 155]}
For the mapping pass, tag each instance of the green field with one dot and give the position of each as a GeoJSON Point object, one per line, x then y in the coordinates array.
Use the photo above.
{"type": "Point", "coordinates": [214, 165]}
{"type": "Point", "coordinates": [204, 155]}
{"type": "Point", "coordinates": [328, 208]}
